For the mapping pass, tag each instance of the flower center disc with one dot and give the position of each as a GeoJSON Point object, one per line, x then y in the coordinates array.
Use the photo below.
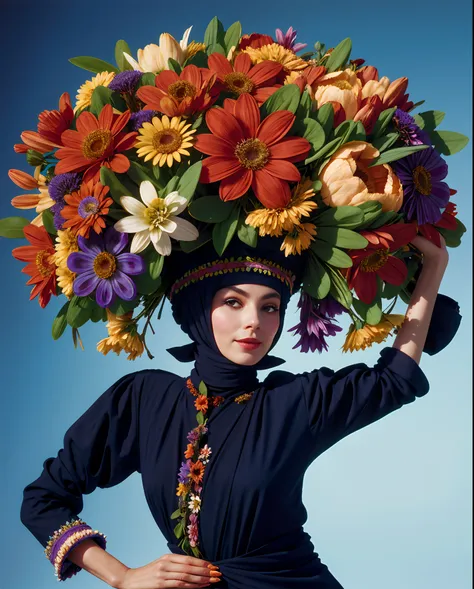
{"type": "Point", "coordinates": [156, 213]}
{"type": "Point", "coordinates": [181, 90]}
{"type": "Point", "coordinates": [342, 85]}
{"type": "Point", "coordinates": [239, 83]}
{"type": "Point", "coordinates": [375, 261]}
{"type": "Point", "coordinates": [252, 154]}
{"type": "Point", "coordinates": [89, 206]}
{"type": "Point", "coordinates": [96, 144]}
{"type": "Point", "coordinates": [167, 141]}
{"type": "Point", "coordinates": [43, 263]}
{"type": "Point", "coordinates": [105, 265]}
{"type": "Point", "coordinates": [422, 180]}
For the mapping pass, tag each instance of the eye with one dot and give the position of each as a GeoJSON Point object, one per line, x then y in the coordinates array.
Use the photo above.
{"type": "Point", "coordinates": [227, 301]}
{"type": "Point", "coordinates": [273, 308]}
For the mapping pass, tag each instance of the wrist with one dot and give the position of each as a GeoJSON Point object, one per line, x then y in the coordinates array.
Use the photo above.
{"type": "Point", "coordinates": [119, 580]}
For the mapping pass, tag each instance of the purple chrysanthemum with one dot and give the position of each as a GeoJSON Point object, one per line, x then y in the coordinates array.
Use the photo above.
{"type": "Point", "coordinates": [184, 471]}
{"type": "Point", "coordinates": [58, 219]}
{"type": "Point", "coordinates": [101, 267]}
{"type": "Point", "coordinates": [138, 118]}
{"type": "Point", "coordinates": [288, 40]}
{"type": "Point", "coordinates": [315, 322]}
{"type": "Point", "coordinates": [63, 184]}
{"type": "Point", "coordinates": [424, 194]}
{"type": "Point", "coordinates": [125, 81]}
{"type": "Point", "coordinates": [409, 131]}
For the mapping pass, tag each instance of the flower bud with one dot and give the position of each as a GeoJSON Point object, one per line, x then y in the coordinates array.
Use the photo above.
{"type": "Point", "coordinates": [34, 158]}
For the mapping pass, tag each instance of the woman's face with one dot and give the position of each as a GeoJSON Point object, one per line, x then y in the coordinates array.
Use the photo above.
{"type": "Point", "coordinates": [245, 311]}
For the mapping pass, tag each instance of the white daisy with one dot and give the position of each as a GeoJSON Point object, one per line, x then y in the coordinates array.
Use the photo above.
{"type": "Point", "coordinates": [156, 220]}
{"type": "Point", "coordinates": [195, 503]}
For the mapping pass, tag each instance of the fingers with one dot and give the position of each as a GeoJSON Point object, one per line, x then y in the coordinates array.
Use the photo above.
{"type": "Point", "coordinates": [188, 571]}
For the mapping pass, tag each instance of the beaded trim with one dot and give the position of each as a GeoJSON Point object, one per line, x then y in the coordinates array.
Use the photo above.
{"type": "Point", "coordinates": [241, 264]}
{"type": "Point", "coordinates": [64, 540]}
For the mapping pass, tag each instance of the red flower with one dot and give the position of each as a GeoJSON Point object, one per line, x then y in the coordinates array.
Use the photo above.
{"type": "Point", "coordinates": [51, 125]}
{"type": "Point", "coordinates": [41, 267]}
{"type": "Point", "coordinates": [248, 153]}
{"type": "Point", "coordinates": [376, 260]}
{"type": "Point", "coordinates": [447, 221]}
{"type": "Point", "coordinates": [242, 77]}
{"type": "Point", "coordinates": [194, 90]}
{"type": "Point", "coordinates": [86, 208]}
{"type": "Point", "coordinates": [307, 77]}
{"type": "Point", "coordinates": [255, 40]}
{"type": "Point", "coordinates": [96, 143]}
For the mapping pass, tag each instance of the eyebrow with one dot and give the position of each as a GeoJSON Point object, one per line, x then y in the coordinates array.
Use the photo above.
{"type": "Point", "coordinates": [269, 295]}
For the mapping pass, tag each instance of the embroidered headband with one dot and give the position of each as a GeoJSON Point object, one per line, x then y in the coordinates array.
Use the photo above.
{"type": "Point", "coordinates": [241, 264]}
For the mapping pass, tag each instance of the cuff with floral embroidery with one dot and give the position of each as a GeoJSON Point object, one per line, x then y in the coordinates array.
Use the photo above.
{"type": "Point", "coordinates": [64, 540]}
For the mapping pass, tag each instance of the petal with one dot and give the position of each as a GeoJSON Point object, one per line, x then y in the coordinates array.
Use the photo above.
{"type": "Point", "coordinates": [394, 271]}
{"type": "Point", "coordinates": [131, 225]}
{"type": "Point", "coordinates": [275, 126]}
{"type": "Point", "coordinates": [123, 286]}
{"type": "Point", "coordinates": [212, 145]}
{"type": "Point", "coordinates": [161, 242]}
{"type": "Point", "coordinates": [185, 230]}
{"type": "Point", "coordinates": [148, 192]}
{"type": "Point", "coordinates": [242, 63]}
{"type": "Point", "coordinates": [270, 191]}
{"type": "Point", "coordinates": [216, 168]}
{"type": "Point", "coordinates": [131, 264]}
{"type": "Point", "coordinates": [119, 163]}
{"type": "Point", "coordinates": [169, 226]}
{"type": "Point", "coordinates": [92, 246]}
{"type": "Point", "coordinates": [365, 285]}
{"type": "Point", "coordinates": [224, 125]}
{"type": "Point", "coordinates": [247, 113]}
{"type": "Point", "coordinates": [236, 185]}
{"type": "Point", "coordinates": [175, 203]}
{"type": "Point", "coordinates": [85, 283]}
{"type": "Point", "coordinates": [293, 149]}
{"type": "Point", "coordinates": [70, 138]}
{"type": "Point", "coordinates": [264, 71]}
{"type": "Point", "coordinates": [25, 253]}
{"type": "Point", "coordinates": [120, 121]}
{"type": "Point", "coordinates": [105, 293]}
{"type": "Point", "coordinates": [132, 205]}
{"type": "Point", "coordinates": [106, 117]}
{"type": "Point", "coordinates": [86, 123]}
{"type": "Point", "coordinates": [80, 262]}
{"type": "Point", "coordinates": [140, 241]}
{"type": "Point", "coordinates": [115, 241]}
{"type": "Point", "coordinates": [219, 64]}
{"type": "Point", "coordinates": [192, 74]}
{"type": "Point", "coordinates": [283, 170]}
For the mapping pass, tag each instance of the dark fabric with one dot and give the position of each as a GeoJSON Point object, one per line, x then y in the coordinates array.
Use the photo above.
{"type": "Point", "coordinates": [252, 515]}
{"type": "Point", "coordinates": [444, 324]}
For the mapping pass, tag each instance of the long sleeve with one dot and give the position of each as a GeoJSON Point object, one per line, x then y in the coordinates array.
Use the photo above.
{"type": "Point", "coordinates": [100, 450]}
{"type": "Point", "coordinates": [347, 400]}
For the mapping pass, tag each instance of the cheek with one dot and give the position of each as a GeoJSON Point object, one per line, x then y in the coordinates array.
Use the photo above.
{"type": "Point", "coordinates": [222, 323]}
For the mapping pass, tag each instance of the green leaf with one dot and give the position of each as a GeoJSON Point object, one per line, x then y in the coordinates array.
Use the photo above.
{"type": "Point", "coordinates": [385, 118]}
{"type": "Point", "coordinates": [92, 64]}
{"type": "Point", "coordinates": [246, 233]}
{"type": "Point", "coordinates": [223, 232]}
{"type": "Point", "coordinates": [196, 551]}
{"type": "Point", "coordinates": [155, 264]}
{"type": "Point", "coordinates": [202, 388]}
{"type": "Point", "coordinates": [385, 141]}
{"type": "Point", "coordinates": [199, 59]}
{"type": "Point", "coordinates": [172, 185]}
{"type": "Point", "coordinates": [339, 288]}
{"type": "Point", "coordinates": [121, 307]}
{"type": "Point", "coordinates": [175, 514]}
{"type": "Point", "coordinates": [189, 180]}
{"type": "Point", "coordinates": [339, 56]}
{"type": "Point", "coordinates": [147, 79]}
{"type": "Point", "coordinates": [174, 66]}
{"type": "Point", "coordinates": [210, 209]}
{"type": "Point", "coordinates": [116, 188]}
{"type": "Point", "coordinates": [453, 237]}
{"type": "Point", "coordinates": [314, 133]}
{"type": "Point", "coordinates": [98, 314]}
{"type": "Point", "coordinates": [214, 33]}
{"type": "Point", "coordinates": [179, 530]}
{"type": "Point", "coordinates": [100, 97]}
{"type": "Point", "coordinates": [429, 119]}
{"type": "Point", "coordinates": [216, 48]}
{"type": "Point", "coordinates": [448, 142]}
{"type": "Point", "coordinates": [60, 322]}
{"type": "Point", "coordinates": [305, 106]}
{"type": "Point", "coordinates": [343, 216]}
{"type": "Point", "coordinates": [316, 280]}
{"type": "Point", "coordinates": [372, 313]}
{"type": "Point", "coordinates": [385, 218]}
{"type": "Point", "coordinates": [285, 98]}
{"type": "Point", "coordinates": [79, 311]}
{"type": "Point", "coordinates": [325, 151]}
{"type": "Point", "coordinates": [48, 222]}
{"type": "Point", "coordinates": [331, 255]}
{"type": "Point", "coordinates": [12, 227]}
{"type": "Point", "coordinates": [396, 154]}
{"type": "Point", "coordinates": [140, 174]}
{"type": "Point", "coordinates": [341, 237]}
{"type": "Point", "coordinates": [232, 36]}
{"type": "Point", "coordinates": [344, 129]}
{"type": "Point", "coordinates": [120, 47]}
{"type": "Point", "coordinates": [203, 238]}
{"type": "Point", "coordinates": [372, 210]}
{"type": "Point", "coordinates": [200, 418]}
{"type": "Point", "coordinates": [325, 117]}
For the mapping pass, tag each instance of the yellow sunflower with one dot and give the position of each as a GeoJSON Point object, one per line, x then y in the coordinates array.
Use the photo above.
{"type": "Point", "coordinates": [164, 140]}
{"type": "Point", "coordinates": [84, 93]}
{"type": "Point", "coordinates": [122, 336]}
{"type": "Point", "coordinates": [194, 48]}
{"type": "Point", "coordinates": [299, 240]}
{"type": "Point", "coordinates": [360, 339]}
{"type": "Point", "coordinates": [275, 52]}
{"type": "Point", "coordinates": [66, 243]}
{"type": "Point", "coordinates": [274, 221]}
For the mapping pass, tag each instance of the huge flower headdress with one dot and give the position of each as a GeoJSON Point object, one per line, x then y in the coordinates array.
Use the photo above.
{"type": "Point", "coordinates": [238, 137]}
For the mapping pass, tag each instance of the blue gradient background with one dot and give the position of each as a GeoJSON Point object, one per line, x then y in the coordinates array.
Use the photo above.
{"type": "Point", "coordinates": [387, 507]}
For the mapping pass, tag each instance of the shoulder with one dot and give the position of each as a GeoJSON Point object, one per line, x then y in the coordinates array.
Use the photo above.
{"type": "Point", "coordinates": [278, 378]}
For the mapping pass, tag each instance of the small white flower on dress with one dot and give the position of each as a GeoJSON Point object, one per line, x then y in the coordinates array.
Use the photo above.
{"type": "Point", "coordinates": [205, 453]}
{"type": "Point", "coordinates": [195, 503]}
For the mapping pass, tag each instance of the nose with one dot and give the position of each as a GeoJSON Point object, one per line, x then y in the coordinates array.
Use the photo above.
{"type": "Point", "coordinates": [252, 317]}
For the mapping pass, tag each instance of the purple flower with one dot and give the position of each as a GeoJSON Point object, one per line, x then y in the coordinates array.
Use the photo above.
{"type": "Point", "coordinates": [142, 116]}
{"type": "Point", "coordinates": [184, 471]}
{"type": "Point", "coordinates": [288, 40]}
{"type": "Point", "coordinates": [63, 184]}
{"type": "Point", "coordinates": [58, 219]}
{"type": "Point", "coordinates": [315, 322]}
{"type": "Point", "coordinates": [125, 81]}
{"type": "Point", "coordinates": [409, 131]}
{"type": "Point", "coordinates": [101, 267]}
{"type": "Point", "coordinates": [425, 195]}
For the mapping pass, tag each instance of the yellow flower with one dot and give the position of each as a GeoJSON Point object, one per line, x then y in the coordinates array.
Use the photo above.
{"type": "Point", "coordinates": [360, 339]}
{"type": "Point", "coordinates": [182, 489]}
{"type": "Point", "coordinates": [194, 48]}
{"type": "Point", "coordinates": [342, 87]}
{"type": "Point", "coordinates": [41, 201]}
{"type": "Point", "coordinates": [163, 140]}
{"type": "Point", "coordinates": [274, 221]}
{"type": "Point", "coordinates": [121, 337]}
{"type": "Point", "coordinates": [66, 243]}
{"type": "Point", "coordinates": [347, 178]}
{"type": "Point", "coordinates": [275, 52]}
{"type": "Point", "coordinates": [84, 96]}
{"type": "Point", "coordinates": [299, 240]}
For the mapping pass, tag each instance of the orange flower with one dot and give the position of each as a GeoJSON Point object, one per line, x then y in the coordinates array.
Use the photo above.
{"type": "Point", "coordinates": [196, 471]}
{"type": "Point", "coordinates": [343, 88]}
{"type": "Point", "coordinates": [307, 77]}
{"type": "Point", "coordinates": [201, 403]}
{"type": "Point", "coordinates": [51, 125]}
{"type": "Point", "coordinates": [248, 153]}
{"type": "Point", "coordinates": [40, 257]}
{"type": "Point", "coordinates": [96, 143]}
{"type": "Point", "coordinates": [369, 113]}
{"type": "Point", "coordinates": [190, 92]}
{"type": "Point", "coordinates": [86, 208]}
{"type": "Point", "coordinates": [391, 94]}
{"type": "Point", "coordinates": [242, 77]}
{"type": "Point", "coordinates": [189, 451]}
{"type": "Point", "coordinates": [40, 201]}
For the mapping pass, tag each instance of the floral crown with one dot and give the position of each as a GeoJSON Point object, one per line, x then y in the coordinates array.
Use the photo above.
{"type": "Point", "coordinates": [236, 137]}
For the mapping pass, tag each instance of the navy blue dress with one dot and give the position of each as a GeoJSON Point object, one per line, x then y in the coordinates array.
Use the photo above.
{"type": "Point", "coordinates": [252, 514]}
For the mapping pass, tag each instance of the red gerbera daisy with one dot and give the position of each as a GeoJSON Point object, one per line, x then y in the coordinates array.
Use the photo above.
{"type": "Point", "coordinates": [96, 143]}
{"type": "Point", "coordinates": [192, 91]}
{"type": "Point", "coordinates": [248, 153]}
{"type": "Point", "coordinates": [242, 77]}
{"type": "Point", "coordinates": [41, 267]}
{"type": "Point", "coordinates": [86, 208]}
{"type": "Point", "coordinates": [255, 40]}
{"type": "Point", "coordinates": [376, 260]}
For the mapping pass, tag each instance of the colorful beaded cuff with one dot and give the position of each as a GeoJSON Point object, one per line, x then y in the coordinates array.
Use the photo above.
{"type": "Point", "coordinates": [242, 264]}
{"type": "Point", "coordinates": [64, 540]}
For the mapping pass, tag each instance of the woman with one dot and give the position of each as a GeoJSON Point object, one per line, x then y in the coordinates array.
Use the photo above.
{"type": "Point", "coordinates": [246, 514]}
